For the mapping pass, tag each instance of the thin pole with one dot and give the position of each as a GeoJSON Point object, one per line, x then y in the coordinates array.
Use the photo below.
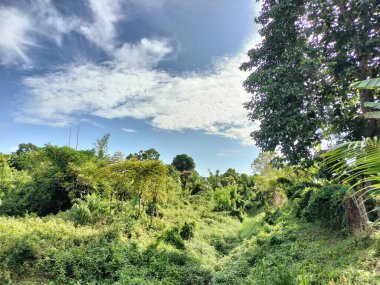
{"type": "Point", "coordinates": [76, 147]}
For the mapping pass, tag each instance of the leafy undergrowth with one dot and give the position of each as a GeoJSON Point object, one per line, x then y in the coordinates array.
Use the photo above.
{"type": "Point", "coordinates": [264, 249]}
{"type": "Point", "coordinates": [295, 252]}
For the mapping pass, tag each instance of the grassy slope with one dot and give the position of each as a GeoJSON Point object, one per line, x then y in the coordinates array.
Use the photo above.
{"type": "Point", "coordinates": [223, 251]}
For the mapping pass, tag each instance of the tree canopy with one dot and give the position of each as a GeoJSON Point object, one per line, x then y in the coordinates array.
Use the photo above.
{"type": "Point", "coordinates": [149, 154]}
{"type": "Point", "coordinates": [301, 73]}
{"type": "Point", "coordinates": [183, 162]}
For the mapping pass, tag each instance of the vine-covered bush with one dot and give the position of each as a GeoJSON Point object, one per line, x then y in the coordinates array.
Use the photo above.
{"type": "Point", "coordinates": [302, 198]}
{"type": "Point", "coordinates": [225, 198]}
{"type": "Point", "coordinates": [90, 210]}
{"type": "Point", "coordinates": [328, 205]}
{"type": "Point", "coordinates": [173, 238]}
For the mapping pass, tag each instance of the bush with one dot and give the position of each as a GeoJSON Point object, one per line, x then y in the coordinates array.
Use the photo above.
{"type": "Point", "coordinates": [328, 205]}
{"type": "Point", "coordinates": [238, 214]}
{"type": "Point", "coordinates": [225, 198]}
{"type": "Point", "coordinates": [303, 199]}
{"type": "Point", "coordinates": [90, 210]}
{"type": "Point", "coordinates": [187, 231]}
{"type": "Point", "coordinates": [91, 261]}
{"type": "Point", "coordinates": [271, 216]}
{"type": "Point", "coordinates": [295, 190]}
{"type": "Point", "coordinates": [173, 238]}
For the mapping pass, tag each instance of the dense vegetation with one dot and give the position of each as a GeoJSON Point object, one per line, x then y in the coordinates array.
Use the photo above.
{"type": "Point", "coordinates": [310, 53]}
{"type": "Point", "coordinates": [84, 217]}
{"type": "Point", "coordinates": [305, 216]}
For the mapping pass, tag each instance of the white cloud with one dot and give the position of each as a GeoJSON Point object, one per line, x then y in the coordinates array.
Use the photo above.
{"type": "Point", "coordinates": [147, 53]}
{"type": "Point", "coordinates": [128, 85]}
{"type": "Point", "coordinates": [48, 22]}
{"type": "Point", "coordinates": [207, 101]}
{"type": "Point", "coordinates": [101, 30]}
{"type": "Point", "coordinates": [22, 28]}
{"type": "Point", "coordinates": [128, 130]}
{"type": "Point", "coordinates": [15, 35]}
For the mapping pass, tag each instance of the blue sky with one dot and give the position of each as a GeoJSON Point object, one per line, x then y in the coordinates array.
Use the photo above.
{"type": "Point", "coordinates": [161, 74]}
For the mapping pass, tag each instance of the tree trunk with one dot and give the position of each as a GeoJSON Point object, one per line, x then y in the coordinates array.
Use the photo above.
{"type": "Point", "coordinates": [357, 213]}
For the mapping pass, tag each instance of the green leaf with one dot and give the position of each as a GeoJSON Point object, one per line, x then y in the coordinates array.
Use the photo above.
{"type": "Point", "coordinates": [375, 105]}
{"type": "Point", "coordinates": [372, 115]}
{"type": "Point", "coordinates": [373, 83]}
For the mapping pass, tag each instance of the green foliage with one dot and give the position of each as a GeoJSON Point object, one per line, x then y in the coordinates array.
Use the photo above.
{"type": "Point", "coordinates": [22, 157]}
{"type": "Point", "coordinates": [183, 162]}
{"type": "Point", "coordinates": [225, 198]}
{"type": "Point", "coordinates": [263, 164]}
{"type": "Point", "coordinates": [101, 146]}
{"type": "Point", "coordinates": [187, 231]}
{"type": "Point", "coordinates": [302, 198]}
{"type": "Point", "coordinates": [173, 238]}
{"type": "Point", "coordinates": [151, 154]}
{"type": "Point", "coordinates": [271, 216]}
{"type": "Point", "coordinates": [193, 183]}
{"type": "Point", "coordinates": [103, 236]}
{"type": "Point", "coordinates": [357, 164]}
{"type": "Point", "coordinates": [10, 178]}
{"type": "Point", "coordinates": [90, 210]}
{"type": "Point", "coordinates": [301, 73]}
{"type": "Point", "coordinates": [214, 179]}
{"type": "Point", "coordinates": [328, 205]}
{"type": "Point", "coordinates": [48, 183]}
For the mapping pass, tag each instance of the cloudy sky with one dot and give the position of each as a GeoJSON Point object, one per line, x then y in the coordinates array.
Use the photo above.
{"type": "Point", "coordinates": [153, 73]}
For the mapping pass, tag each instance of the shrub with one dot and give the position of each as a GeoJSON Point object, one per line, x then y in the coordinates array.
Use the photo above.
{"type": "Point", "coordinates": [238, 214]}
{"type": "Point", "coordinates": [187, 231]}
{"type": "Point", "coordinates": [90, 210]}
{"type": "Point", "coordinates": [328, 205]}
{"type": "Point", "coordinates": [225, 198]}
{"type": "Point", "coordinates": [271, 216]}
{"type": "Point", "coordinates": [304, 196]}
{"type": "Point", "coordinates": [225, 244]}
{"type": "Point", "coordinates": [295, 190]}
{"type": "Point", "coordinates": [173, 238]}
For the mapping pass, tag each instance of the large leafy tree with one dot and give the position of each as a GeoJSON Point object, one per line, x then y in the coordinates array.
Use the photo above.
{"type": "Point", "coordinates": [358, 163]}
{"type": "Point", "coordinates": [183, 162]}
{"type": "Point", "coordinates": [144, 180]}
{"type": "Point", "coordinates": [301, 71]}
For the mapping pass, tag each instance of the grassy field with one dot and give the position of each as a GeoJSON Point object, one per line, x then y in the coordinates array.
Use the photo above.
{"type": "Point", "coordinates": [266, 248]}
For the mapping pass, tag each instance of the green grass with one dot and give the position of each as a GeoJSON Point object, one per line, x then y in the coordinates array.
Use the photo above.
{"type": "Point", "coordinates": [52, 250]}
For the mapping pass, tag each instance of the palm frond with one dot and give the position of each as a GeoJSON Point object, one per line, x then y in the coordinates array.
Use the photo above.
{"type": "Point", "coordinates": [373, 83]}
{"type": "Point", "coordinates": [372, 115]}
{"type": "Point", "coordinates": [374, 105]}
{"type": "Point", "coordinates": [356, 163]}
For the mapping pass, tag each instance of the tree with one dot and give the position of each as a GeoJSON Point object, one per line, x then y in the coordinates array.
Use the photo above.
{"type": "Point", "coordinates": [357, 163]}
{"type": "Point", "coordinates": [101, 146]}
{"type": "Point", "coordinates": [231, 172]}
{"type": "Point", "coordinates": [214, 179]}
{"type": "Point", "coordinates": [144, 180]}
{"type": "Point", "coordinates": [21, 159]}
{"type": "Point", "coordinates": [26, 147]}
{"type": "Point", "coordinates": [183, 162]}
{"type": "Point", "coordinates": [310, 52]}
{"type": "Point", "coordinates": [263, 164]}
{"type": "Point", "coordinates": [150, 154]}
